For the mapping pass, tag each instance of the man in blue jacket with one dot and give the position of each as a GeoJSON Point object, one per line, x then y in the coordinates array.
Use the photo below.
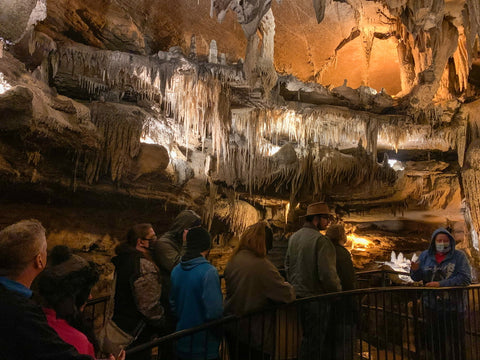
{"type": "Point", "coordinates": [24, 330]}
{"type": "Point", "coordinates": [196, 297]}
{"type": "Point", "coordinates": [443, 266]}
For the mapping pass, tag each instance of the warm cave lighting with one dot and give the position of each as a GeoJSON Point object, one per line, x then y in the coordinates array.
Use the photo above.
{"type": "Point", "coordinates": [359, 243]}
{"type": "Point", "coordinates": [4, 85]}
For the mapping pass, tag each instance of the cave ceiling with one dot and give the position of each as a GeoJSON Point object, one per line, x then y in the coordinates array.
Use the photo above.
{"type": "Point", "coordinates": [247, 109]}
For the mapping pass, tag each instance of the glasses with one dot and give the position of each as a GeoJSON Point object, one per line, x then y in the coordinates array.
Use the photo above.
{"type": "Point", "coordinates": [154, 237]}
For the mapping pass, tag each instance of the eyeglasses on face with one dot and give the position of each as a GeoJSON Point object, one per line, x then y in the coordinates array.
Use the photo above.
{"type": "Point", "coordinates": [154, 237]}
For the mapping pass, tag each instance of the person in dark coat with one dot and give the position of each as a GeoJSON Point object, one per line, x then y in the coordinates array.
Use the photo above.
{"type": "Point", "coordinates": [344, 264]}
{"type": "Point", "coordinates": [253, 283]}
{"type": "Point", "coordinates": [24, 330]}
{"type": "Point", "coordinates": [137, 308]}
{"type": "Point", "coordinates": [344, 312]}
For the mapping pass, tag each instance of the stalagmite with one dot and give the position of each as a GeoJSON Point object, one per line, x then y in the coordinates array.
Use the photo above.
{"type": "Point", "coordinates": [213, 53]}
{"type": "Point", "coordinates": [223, 59]}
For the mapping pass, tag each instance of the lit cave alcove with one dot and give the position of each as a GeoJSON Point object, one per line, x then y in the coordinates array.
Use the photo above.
{"type": "Point", "coordinates": [119, 112]}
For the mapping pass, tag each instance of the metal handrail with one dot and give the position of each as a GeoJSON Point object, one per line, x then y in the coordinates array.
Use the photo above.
{"type": "Point", "coordinates": [385, 271]}
{"type": "Point", "coordinates": [323, 297]}
{"type": "Point", "coordinates": [98, 300]}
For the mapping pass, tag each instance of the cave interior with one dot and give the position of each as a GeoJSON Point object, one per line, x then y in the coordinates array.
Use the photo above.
{"type": "Point", "coordinates": [116, 112]}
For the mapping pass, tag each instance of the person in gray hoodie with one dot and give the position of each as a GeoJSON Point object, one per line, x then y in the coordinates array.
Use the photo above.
{"type": "Point", "coordinates": [166, 253]}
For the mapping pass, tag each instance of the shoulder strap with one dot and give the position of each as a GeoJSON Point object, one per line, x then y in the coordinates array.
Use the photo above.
{"type": "Point", "coordinates": [111, 305]}
{"type": "Point", "coordinates": [111, 302]}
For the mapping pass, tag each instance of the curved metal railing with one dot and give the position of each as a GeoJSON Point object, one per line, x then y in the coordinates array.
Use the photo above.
{"type": "Point", "coordinates": [376, 323]}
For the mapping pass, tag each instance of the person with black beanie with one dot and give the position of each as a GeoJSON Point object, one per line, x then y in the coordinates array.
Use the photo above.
{"type": "Point", "coordinates": [196, 297]}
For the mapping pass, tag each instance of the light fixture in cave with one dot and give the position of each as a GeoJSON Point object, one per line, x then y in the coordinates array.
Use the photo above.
{"type": "Point", "coordinates": [4, 85]}
{"type": "Point", "coordinates": [358, 243]}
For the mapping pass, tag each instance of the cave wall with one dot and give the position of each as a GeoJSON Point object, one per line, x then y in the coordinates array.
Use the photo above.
{"type": "Point", "coordinates": [105, 101]}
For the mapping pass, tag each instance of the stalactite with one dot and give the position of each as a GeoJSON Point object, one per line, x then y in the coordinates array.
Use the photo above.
{"type": "Point", "coordinates": [98, 70]}
{"type": "Point", "coordinates": [120, 128]}
{"type": "Point", "coordinates": [471, 182]}
{"type": "Point", "coordinates": [265, 67]}
{"type": "Point", "coordinates": [462, 62]}
{"type": "Point", "coordinates": [237, 213]}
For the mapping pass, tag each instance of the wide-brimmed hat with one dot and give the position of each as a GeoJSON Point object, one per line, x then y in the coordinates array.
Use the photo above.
{"type": "Point", "coordinates": [318, 208]}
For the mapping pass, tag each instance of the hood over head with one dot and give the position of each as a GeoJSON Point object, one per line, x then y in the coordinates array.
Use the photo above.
{"type": "Point", "coordinates": [185, 220]}
{"type": "Point", "coordinates": [432, 249]}
{"type": "Point", "coordinates": [188, 265]}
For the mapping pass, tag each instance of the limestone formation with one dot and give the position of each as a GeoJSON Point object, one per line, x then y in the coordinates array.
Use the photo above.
{"type": "Point", "coordinates": [148, 106]}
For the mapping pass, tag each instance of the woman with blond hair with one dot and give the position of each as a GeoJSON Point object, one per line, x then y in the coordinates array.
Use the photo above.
{"type": "Point", "coordinates": [253, 283]}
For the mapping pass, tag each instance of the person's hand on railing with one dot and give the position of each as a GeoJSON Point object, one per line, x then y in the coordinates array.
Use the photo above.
{"type": "Point", "coordinates": [120, 356]}
{"type": "Point", "coordinates": [414, 266]}
{"type": "Point", "coordinates": [432, 284]}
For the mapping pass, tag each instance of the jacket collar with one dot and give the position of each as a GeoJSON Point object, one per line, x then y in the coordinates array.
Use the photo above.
{"type": "Point", "coordinates": [14, 286]}
{"type": "Point", "coordinates": [309, 225]}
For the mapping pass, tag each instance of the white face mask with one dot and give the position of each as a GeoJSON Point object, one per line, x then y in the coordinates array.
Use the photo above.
{"type": "Point", "coordinates": [442, 248]}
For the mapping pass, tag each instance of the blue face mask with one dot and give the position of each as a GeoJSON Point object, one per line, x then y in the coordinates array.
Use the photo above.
{"type": "Point", "coordinates": [442, 248]}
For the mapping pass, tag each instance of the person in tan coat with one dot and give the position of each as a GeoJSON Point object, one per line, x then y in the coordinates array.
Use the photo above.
{"type": "Point", "coordinates": [253, 283]}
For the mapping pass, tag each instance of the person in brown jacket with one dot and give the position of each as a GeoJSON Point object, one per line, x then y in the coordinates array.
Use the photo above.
{"type": "Point", "coordinates": [254, 283]}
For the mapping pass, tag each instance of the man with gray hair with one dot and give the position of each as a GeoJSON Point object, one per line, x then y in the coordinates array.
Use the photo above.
{"type": "Point", "coordinates": [24, 330]}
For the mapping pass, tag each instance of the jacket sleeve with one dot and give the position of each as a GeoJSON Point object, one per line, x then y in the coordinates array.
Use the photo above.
{"type": "Point", "coordinates": [326, 265]}
{"type": "Point", "coordinates": [147, 291]}
{"type": "Point", "coordinates": [28, 331]}
{"type": "Point", "coordinates": [166, 256]}
{"type": "Point", "coordinates": [462, 274]}
{"type": "Point", "coordinates": [418, 274]}
{"type": "Point", "coordinates": [274, 285]}
{"type": "Point", "coordinates": [172, 295]}
{"type": "Point", "coordinates": [212, 295]}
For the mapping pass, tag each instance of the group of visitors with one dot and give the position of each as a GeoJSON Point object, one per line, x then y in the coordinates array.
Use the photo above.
{"type": "Point", "coordinates": [167, 284]}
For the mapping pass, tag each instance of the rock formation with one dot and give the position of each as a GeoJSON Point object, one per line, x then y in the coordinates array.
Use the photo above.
{"type": "Point", "coordinates": [152, 105]}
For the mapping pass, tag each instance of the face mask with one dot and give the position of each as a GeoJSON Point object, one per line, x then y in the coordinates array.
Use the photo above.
{"type": "Point", "coordinates": [442, 248]}
{"type": "Point", "coordinates": [149, 243]}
